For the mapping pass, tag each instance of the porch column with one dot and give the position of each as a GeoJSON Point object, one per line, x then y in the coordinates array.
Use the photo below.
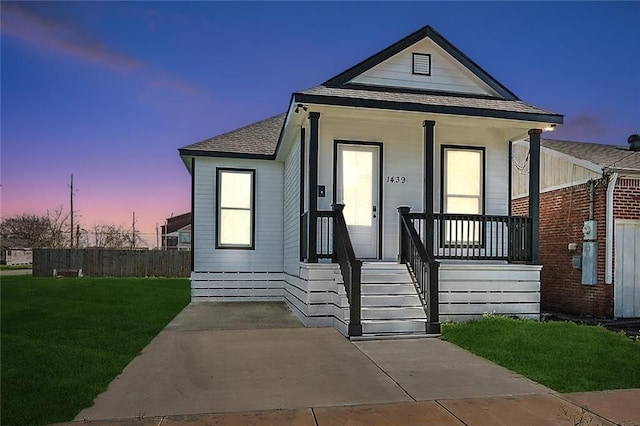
{"type": "Point", "coordinates": [313, 187]}
{"type": "Point", "coordinates": [193, 214]}
{"type": "Point", "coordinates": [429, 142]}
{"type": "Point", "coordinates": [534, 193]}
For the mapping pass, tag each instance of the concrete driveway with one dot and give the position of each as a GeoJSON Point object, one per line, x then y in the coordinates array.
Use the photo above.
{"type": "Point", "coordinates": [238, 357]}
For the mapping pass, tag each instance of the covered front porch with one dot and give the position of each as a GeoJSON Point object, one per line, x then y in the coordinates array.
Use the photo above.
{"type": "Point", "coordinates": [462, 265]}
{"type": "Point", "coordinates": [476, 264]}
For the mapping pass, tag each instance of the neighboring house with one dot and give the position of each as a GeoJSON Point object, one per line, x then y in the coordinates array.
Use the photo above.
{"type": "Point", "coordinates": [184, 238]}
{"type": "Point", "coordinates": [418, 124]}
{"type": "Point", "coordinates": [176, 232]}
{"type": "Point", "coordinates": [15, 251]}
{"type": "Point", "coordinates": [589, 226]}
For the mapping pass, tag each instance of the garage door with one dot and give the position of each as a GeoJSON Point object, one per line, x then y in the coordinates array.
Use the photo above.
{"type": "Point", "coordinates": [627, 269]}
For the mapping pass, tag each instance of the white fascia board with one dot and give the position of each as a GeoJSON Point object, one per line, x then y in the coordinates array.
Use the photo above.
{"type": "Point", "coordinates": [293, 122]}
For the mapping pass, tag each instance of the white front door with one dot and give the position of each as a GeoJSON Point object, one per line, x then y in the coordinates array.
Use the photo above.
{"type": "Point", "coordinates": [358, 189]}
{"type": "Point", "coordinates": [627, 269]}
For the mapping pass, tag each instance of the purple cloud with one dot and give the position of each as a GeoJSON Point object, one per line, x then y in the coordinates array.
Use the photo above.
{"type": "Point", "coordinates": [44, 32]}
{"type": "Point", "coordinates": [27, 24]}
{"type": "Point", "coordinates": [585, 125]}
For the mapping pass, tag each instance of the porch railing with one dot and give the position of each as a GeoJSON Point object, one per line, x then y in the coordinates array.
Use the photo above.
{"type": "Point", "coordinates": [350, 267]}
{"type": "Point", "coordinates": [423, 267]}
{"type": "Point", "coordinates": [333, 242]}
{"type": "Point", "coordinates": [324, 235]}
{"type": "Point", "coordinates": [477, 237]}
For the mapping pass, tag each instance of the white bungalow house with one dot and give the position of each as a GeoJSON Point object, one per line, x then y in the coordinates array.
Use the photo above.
{"type": "Point", "coordinates": [378, 203]}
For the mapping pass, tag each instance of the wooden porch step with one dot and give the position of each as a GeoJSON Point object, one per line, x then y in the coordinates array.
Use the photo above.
{"type": "Point", "coordinates": [409, 313]}
{"type": "Point", "coordinates": [382, 327]}
{"type": "Point", "coordinates": [390, 300]}
{"type": "Point", "coordinates": [391, 306]}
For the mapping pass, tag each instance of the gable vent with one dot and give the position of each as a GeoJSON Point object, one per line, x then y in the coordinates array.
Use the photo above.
{"type": "Point", "coordinates": [422, 63]}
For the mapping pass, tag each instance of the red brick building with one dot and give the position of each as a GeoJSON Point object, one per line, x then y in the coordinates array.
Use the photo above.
{"type": "Point", "coordinates": [594, 185]}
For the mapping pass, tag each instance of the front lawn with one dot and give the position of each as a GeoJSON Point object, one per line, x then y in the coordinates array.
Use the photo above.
{"type": "Point", "coordinates": [563, 356]}
{"type": "Point", "coordinates": [65, 340]}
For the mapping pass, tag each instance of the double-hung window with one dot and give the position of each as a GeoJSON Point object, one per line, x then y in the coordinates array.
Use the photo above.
{"type": "Point", "coordinates": [463, 187]}
{"type": "Point", "coordinates": [235, 208]}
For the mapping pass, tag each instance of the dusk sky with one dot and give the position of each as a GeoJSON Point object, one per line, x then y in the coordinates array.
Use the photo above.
{"type": "Point", "coordinates": [109, 91]}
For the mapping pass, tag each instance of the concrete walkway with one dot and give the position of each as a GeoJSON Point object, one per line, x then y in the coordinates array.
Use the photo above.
{"type": "Point", "coordinates": [255, 364]}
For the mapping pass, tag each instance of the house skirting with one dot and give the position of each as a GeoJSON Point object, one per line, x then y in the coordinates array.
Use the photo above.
{"type": "Point", "coordinates": [237, 286]}
{"type": "Point", "coordinates": [467, 291]}
{"type": "Point", "coordinates": [317, 297]}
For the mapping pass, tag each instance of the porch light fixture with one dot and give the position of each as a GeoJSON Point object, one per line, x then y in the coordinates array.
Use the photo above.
{"type": "Point", "coordinates": [297, 110]}
{"type": "Point", "coordinates": [549, 128]}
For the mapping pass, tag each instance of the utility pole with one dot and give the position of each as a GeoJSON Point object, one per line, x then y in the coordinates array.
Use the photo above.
{"type": "Point", "coordinates": [133, 232]}
{"type": "Point", "coordinates": [71, 186]}
{"type": "Point", "coordinates": [157, 237]}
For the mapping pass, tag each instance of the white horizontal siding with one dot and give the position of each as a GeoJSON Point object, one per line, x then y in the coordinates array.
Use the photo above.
{"type": "Point", "coordinates": [447, 74]}
{"type": "Point", "coordinates": [292, 211]}
{"type": "Point", "coordinates": [467, 291]}
{"type": "Point", "coordinates": [268, 254]}
{"type": "Point", "coordinates": [230, 287]}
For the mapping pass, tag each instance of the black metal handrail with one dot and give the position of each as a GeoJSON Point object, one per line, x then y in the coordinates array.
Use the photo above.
{"type": "Point", "coordinates": [332, 242]}
{"type": "Point", "coordinates": [476, 237]}
{"type": "Point", "coordinates": [423, 267]}
{"type": "Point", "coordinates": [350, 267]}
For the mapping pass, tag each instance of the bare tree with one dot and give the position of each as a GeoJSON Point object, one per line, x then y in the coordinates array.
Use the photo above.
{"type": "Point", "coordinates": [59, 228]}
{"type": "Point", "coordinates": [38, 231]}
{"type": "Point", "coordinates": [111, 236]}
{"type": "Point", "coordinates": [32, 229]}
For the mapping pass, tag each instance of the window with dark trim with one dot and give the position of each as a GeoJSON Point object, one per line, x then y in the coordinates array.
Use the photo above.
{"type": "Point", "coordinates": [422, 63]}
{"type": "Point", "coordinates": [462, 194]}
{"type": "Point", "coordinates": [235, 208]}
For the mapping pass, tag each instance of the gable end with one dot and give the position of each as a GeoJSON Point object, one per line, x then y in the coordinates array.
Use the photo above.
{"type": "Point", "coordinates": [426, 32]}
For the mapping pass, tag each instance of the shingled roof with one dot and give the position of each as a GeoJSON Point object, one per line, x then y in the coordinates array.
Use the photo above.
{"type": "Point", "coordinates": [426, 102]}
{"type": "Point", "coordinates": [260, 140]}
{"type": "Point", "coordinates": [257, 140]}
{"type": "Point", "coordinates": [604, 156]}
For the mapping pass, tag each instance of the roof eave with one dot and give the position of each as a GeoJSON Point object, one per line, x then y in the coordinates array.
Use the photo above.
{"type": "Point", "coordinates": [222, 154]}
{"type": "Point", "coordinates": [437, 109]}
{"type": "Point", "coordinates": [623, 170]}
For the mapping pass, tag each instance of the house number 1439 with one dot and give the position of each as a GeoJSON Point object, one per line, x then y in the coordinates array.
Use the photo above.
{"type": "Point", "coordinates": [396, 179]}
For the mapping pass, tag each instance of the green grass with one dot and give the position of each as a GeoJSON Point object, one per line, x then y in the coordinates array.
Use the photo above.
{"type": "Point", "coordinates": [65, 340]}
{"type": "Point", "coordinates": [563, 356]}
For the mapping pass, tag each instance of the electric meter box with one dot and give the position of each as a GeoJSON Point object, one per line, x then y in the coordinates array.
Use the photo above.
{"type": "Point", "coordinates": [589, 230]}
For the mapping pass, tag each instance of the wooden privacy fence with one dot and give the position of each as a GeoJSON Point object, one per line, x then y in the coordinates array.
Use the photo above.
{"type": "Point", "coordinates": [113, 263]}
